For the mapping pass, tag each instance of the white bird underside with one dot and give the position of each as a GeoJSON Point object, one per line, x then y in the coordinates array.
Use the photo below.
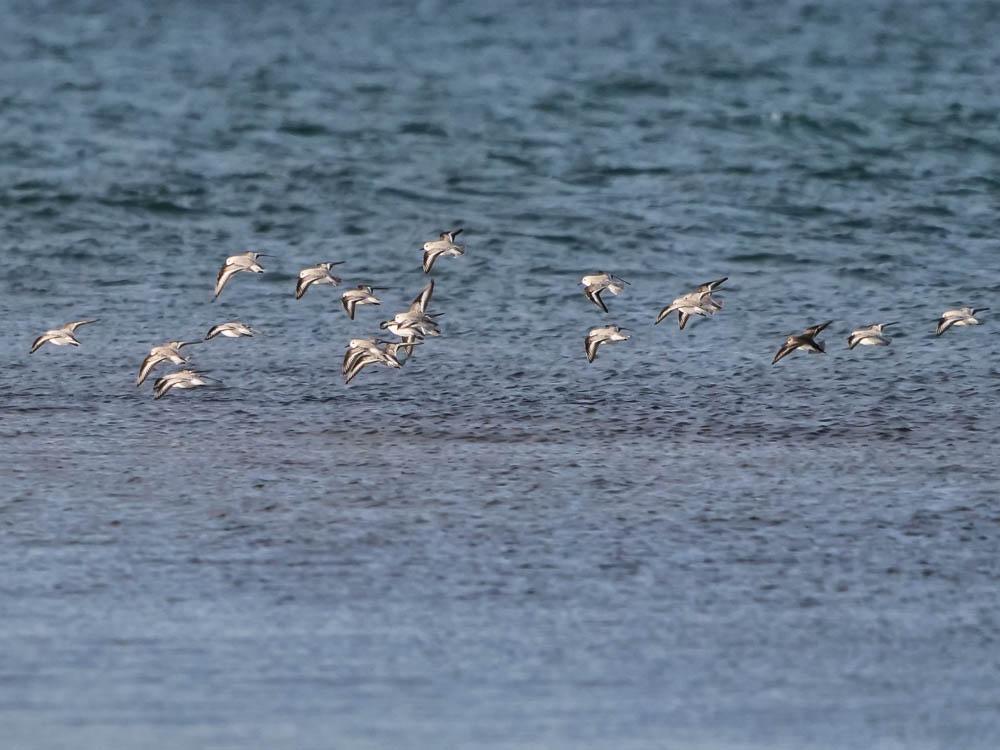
{"type": "Point", "coordinates": [697, 302]}
{"type": "Point", "coordinates": [318, 274]}
{"type": "Point", "coordinates": [595, 284]}
{"type": "Point", "coordinates": [60, 336]}
{"type": "Point", "coordinates": [869, 335]}
{"type": "Point", "coordinates": [960, 317]}
{"type": "Point", "coordinates": [362, 295]}
{"type": "Point", "coordinates": [596, 337]}
{"type": "Point", "coordinates": [443, 247]}
{"type": "Point", "coordinates": [364, 352]}
{"type": "Point", "coordinates": [235, 264]}
{"type": "Point", "coordinates": [231, 330]}
{"type": "Point", "coordinates": [181, 380]}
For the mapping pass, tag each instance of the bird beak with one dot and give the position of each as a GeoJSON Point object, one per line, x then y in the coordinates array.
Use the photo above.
{"type": "Point", "coordinates": [337, 263]}
{"type": "Point", "coordinates": [893, 323]}
{"type": "Point", "coordinates": [981, 309]}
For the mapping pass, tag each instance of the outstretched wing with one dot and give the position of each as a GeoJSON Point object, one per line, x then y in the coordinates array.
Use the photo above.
{"type": "Point", "coordinates": [77, 323]}
{"type": "Point", "coordinates": [815, 330]}
{"type": "Point", "coordinates": [787, 348]}
{"type": "Point", "coordinates": [225, 274]}
{"type": "Point", "coordinates": [423, 300]}
{"type": "Point", "coordinates": [39, 342]}
{"type": "Point", "coordinates": [593, 293]}
{"type": "Point", "coordinates": [150, 362]}
{"type": "Point", "coordinates": [944, 324]}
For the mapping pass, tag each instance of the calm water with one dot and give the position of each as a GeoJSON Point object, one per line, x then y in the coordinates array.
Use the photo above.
{"type": "Point", "coordinates": [500, 546]}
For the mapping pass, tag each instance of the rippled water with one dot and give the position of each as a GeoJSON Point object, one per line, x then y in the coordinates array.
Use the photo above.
{"type": "Point", "coordinates": [501, 546]}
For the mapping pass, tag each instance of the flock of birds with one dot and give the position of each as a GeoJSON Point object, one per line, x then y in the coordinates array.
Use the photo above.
{"type": "Point", "coordinates": [413, 325]}
{"type": "Point", "coordinates": [702, 301]}
{"type": "Point", "coordinates": [410, 326]}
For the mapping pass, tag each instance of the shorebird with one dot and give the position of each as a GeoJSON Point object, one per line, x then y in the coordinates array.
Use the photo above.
{"type": "Point", "coordinates": [444, 245]}
{"type": "Point", "coordinates": [363, 352]}
{"type": "Point", "coordinates": [356, 349]}
{"type": "Point", "coordinates": [182, 379]}
{"type": "Point", "coordinates": [415, 322]}
{"type": "Point", "coordinates": [963, 316]}
{"type": "Point", "coordinates": [698, 302]}
{"type": "Point", "coordinates": [869, 335]}
{"type": "Point", "coordinates": [60, 336]}
{"type": "Point", "coordinates": [805, 341]}
{"type": "Point", "coordinates": [231, 330]}
{"type": "Point", "coordinates": [234, 264]}
{"type": "Point", "coordinates": [168, 352]}
{"type": "Point", "coordinates": [596, 283]}
{"type": "Point", "coordinates": [602, 335]}
{"type": "Point", "coordinates": [362, 294]}
{"type": "Point", "coordinates": [318, 274]}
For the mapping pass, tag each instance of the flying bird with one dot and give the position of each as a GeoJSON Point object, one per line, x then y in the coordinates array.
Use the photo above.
{"type": "Point", "coordinates": [869, 335]}
{"type": "Point", "coordinates": [363, 352]}
{"type": "Point", "coordinates": [234, 264]}
{"type": "Point", "coordinates": [805, 341]}
{"type": "Point", "coordinates": [963, 316]}
{"type": "Point", "coordinates": [318, 274]}
{"type": "Point", "coordinates": [697, 302]}
{"type": "Point", "coordinates": [443, 246]}
{"type": "Point", "coordinates": [168, 352]}
{"type": "Point", "coordinates": [596, 283]}
{"type": "Point", "coordinates": [231, 330]}
{"type": "Point", "coordinates": [362, 294]}
{"type": "Point", "coordinates": [60, 336]}
{"type": "Point", "coordinates": [182, 379]}
{"type": "Point", "coordinates": [602, 335]}
{"type": "Point", "coordinates": [415, 322]}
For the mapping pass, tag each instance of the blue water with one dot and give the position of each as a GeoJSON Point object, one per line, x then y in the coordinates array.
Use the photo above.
{"type": "Point", "coordinates": [501, 546]}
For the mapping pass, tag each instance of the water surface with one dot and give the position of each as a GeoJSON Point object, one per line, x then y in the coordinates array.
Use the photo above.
{"type": "Point", "coordinates": [500, 546]}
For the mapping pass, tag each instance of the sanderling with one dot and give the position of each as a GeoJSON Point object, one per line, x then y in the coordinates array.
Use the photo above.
{"type": "Point", "coordinates": [168, 352]}
{"type": "Point", "coordinates": [805, 341]}
{"type": "Point", "coordinates": [416, 324]}
{"type": "Point", "coordinates": [360, 295]}
{"type": "Point", "coordinates": [234, 264]}
{"type": "Point", "coordinates": [363, 352]}
{"type": "Point", "coordinates": [318, 274]}
{"type": "Point", "coordinates": [869, 335]}
{"type": "Point", "coordinates": [231, 330]}
{"type": "Point", "coordinates": [698, 302]}
{"type": "Point", "coordinates": [602, 335]}
{"type": "Point", "coordinates": [962, 316]}
{"type": "Point", "coordinates": [445, 245]}
{"type": "Point", "coordinates": [182, 379]}
{"type": "Point", "coordinates": [60, 336]}
{"type": "Point", "coordinates": [594, 284]}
